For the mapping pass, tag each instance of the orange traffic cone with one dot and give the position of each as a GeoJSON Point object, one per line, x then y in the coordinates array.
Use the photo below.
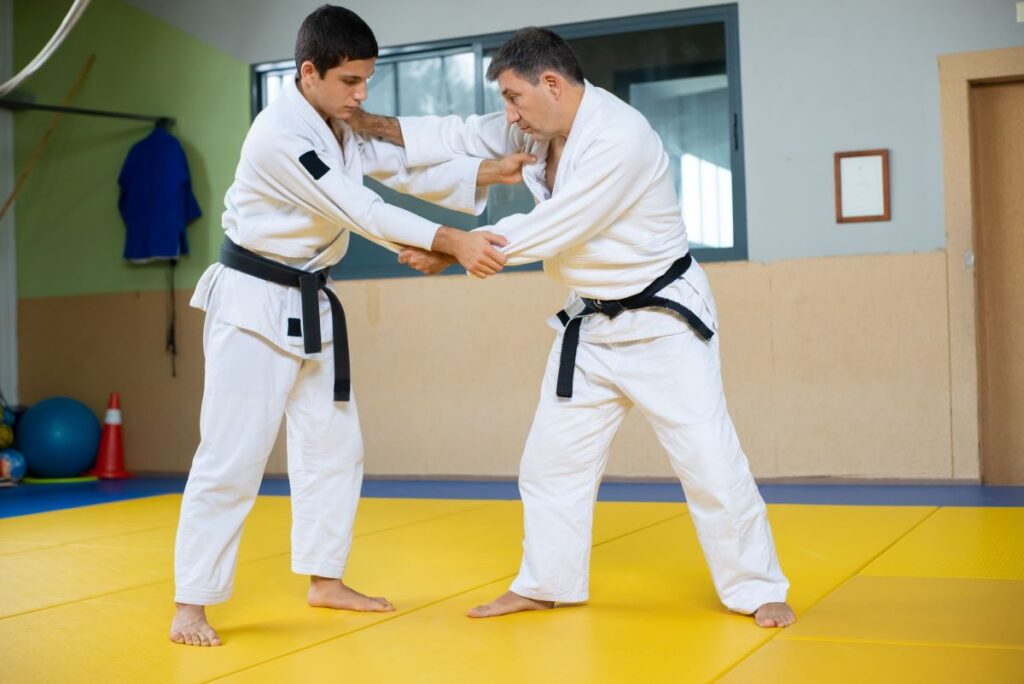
{"type": "Point", "coordinates": [110, 456]}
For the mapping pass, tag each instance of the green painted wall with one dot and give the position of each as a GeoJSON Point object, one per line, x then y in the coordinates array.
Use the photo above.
{"type": "Point", "coordinates": [70, 235]}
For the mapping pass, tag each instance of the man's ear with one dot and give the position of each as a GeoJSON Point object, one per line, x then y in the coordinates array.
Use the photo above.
{"type": "Point", "coordinates": [552, 82]}
{"type": "Point", "coordinates": [307, 69]}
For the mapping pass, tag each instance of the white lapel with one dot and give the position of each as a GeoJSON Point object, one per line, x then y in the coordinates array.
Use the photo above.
{"type": "Point", "coordinates": [585, 112]}
{"type": "Point", "coordinates": [534, 174]}
{"type": "Point", "coordinates": [321, 130]}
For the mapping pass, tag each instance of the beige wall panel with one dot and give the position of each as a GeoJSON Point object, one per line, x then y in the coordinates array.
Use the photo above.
{"type": "Point", "coordinates": [86, 347]}
{"type": "Point", "coordinates": [447, 371]}
{"type": "Point", "coordinates": [743, 295]}
{"type": "Point", "coordinates": [862, 365]}
{"type": "Point", "coordinates": [832, 367]}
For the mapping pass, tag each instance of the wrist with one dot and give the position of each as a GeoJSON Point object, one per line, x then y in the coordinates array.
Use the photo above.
{"type": "Point", "coordinates": [446, 240]}
{"type": "Point", "coordinates": [487, 174]}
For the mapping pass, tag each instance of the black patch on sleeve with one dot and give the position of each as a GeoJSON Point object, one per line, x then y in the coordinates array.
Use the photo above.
{"type": "Point", "coordinates": [294, 327]}
{"type": "Point", "coordinates": [316, 168]}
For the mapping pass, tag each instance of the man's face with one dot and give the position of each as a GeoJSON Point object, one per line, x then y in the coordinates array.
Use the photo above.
{"type": "Point", "coordinates": [341, 90]}
{"type": "Point", "coordinates": [532, 107]}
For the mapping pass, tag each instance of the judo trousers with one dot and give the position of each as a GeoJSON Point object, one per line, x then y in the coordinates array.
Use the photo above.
{"type": "Point", "coordinates": [250, 385]}
{"type": "Point", "coordinates": [676, 382]}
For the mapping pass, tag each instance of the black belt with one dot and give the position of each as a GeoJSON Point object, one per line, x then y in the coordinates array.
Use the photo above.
{"type": "Point", "coordinates": [612, 308]}
{"type": "Point", "coordinates": [309, 284]}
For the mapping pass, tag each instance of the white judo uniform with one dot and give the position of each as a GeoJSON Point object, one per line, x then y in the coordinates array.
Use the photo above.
{"type": "Point", "coordinates": [298, 210]}
{"type": "Point", "coordinates": [609, 227]}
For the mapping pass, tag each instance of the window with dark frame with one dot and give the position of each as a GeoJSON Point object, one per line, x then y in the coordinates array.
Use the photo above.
{"type": "Point", "coordinates": [680, 69]}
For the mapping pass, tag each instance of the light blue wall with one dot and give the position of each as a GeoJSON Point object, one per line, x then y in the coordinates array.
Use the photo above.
{"type": "Point", "coordinates": [824, 76]}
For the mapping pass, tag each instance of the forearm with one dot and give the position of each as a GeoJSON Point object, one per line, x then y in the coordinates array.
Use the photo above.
{"type": "Point", "coordinates": [431, 139]}
{"type": "Point", "coordinates": [384, 128]}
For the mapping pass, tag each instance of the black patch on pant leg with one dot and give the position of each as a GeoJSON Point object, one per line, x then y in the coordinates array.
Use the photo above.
{"type": "Point", "coordinates": [294, 327]}
{"type": "Point", "coordinates": [314, 165]}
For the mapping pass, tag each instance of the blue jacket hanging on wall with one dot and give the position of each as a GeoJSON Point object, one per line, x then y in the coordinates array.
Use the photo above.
{"type": "Point", "coordinates": [157, 204]}
{"type": "Point", "coordinates": [156, 198]}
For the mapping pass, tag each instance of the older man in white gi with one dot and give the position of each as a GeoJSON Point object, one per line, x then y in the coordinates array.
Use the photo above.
{"type": "Point", "coordinates": [274, 338]}
{"type": "Point", "coordinates": [639, 327]}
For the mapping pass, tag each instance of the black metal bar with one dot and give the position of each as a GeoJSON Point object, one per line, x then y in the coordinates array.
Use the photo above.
{"type": "Point", "coordinates": [15, 105]}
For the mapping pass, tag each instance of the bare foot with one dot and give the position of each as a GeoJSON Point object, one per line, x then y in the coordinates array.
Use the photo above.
{"type": "Point", "coordinates": [509, 602]}
{"type": "Point", "coordinates": [774, 615]}
{"type": "Point", "coordinates": [325, 592]}
{"type": "Point", "coordinates": [190, 627]}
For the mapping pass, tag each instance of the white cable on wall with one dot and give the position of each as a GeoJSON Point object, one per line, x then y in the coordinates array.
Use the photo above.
{"type": "Point", "coordinates": [72, 17]}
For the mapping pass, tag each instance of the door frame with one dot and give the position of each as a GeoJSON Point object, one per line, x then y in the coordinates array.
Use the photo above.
{"type": "Point", "coordinates": [958, 73]}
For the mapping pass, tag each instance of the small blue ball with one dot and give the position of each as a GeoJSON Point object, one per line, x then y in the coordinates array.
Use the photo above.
{"type": "Point", "coordinates": [12, 465]}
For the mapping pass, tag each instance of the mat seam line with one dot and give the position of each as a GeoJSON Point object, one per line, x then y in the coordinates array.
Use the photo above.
{"type": "Point", "coordinates": [246, 562]}
{"type": "Point", "coordinates": [83, 541]}
{"type": "Point", "coordinates": [856, 572]}
{"type": "Point", "coordinates": [905, 643]}
{"type": "Point", "coordinates": [419, 608]}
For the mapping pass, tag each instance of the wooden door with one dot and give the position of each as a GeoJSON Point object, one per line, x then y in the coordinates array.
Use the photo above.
{"type": "Point", "coordinates": [997, 130]}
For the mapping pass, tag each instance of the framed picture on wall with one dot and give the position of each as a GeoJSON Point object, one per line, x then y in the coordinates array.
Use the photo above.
{"type": "Point", "coordinates": [862, 186]}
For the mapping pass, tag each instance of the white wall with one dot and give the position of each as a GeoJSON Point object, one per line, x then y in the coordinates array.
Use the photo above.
{"type": "Point", "coordinates": [8, 274]}
{"type": "Point", "coordinates": [818, 76]}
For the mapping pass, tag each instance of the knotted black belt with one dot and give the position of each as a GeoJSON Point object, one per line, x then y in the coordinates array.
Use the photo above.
{"type": "Point", "coordinates": [611, 308]}
{"type": "Point", "coordinates": [309, 284]}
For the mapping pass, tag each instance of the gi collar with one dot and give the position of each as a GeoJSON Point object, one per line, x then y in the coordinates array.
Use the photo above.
{"type": "Point", "coordinates": [298, 104]}
{"type": "Point", "coordinates": [588, 105]}
{"type": "Point", "coordinates": [584, 114]}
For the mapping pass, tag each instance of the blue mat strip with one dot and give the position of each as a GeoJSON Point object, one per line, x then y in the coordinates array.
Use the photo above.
{"type": "Point", "coordinates": [26, 499]}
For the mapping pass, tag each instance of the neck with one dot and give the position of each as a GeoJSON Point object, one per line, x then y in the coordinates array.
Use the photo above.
{"type": "Point", "coordinates": [304, 91]}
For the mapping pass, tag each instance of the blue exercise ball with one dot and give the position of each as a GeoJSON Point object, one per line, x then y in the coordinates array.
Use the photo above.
{"type": "Point", "coordinates": [58, 438]}
{"type": "Point", "coordinates": [12, 465]}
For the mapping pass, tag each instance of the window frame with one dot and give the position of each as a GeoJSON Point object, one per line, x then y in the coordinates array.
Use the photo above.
{"type": "Point", "coordinates": [480, 44]}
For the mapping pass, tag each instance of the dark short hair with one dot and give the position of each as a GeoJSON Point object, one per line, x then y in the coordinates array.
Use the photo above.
{"type": "Point", "coordinates": [532, 51]}
{"type": "Point", "coordinates": [332, 35]}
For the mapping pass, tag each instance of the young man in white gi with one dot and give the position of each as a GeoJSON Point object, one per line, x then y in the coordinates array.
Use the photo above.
{"type": "Point", "coordinates": [274, 338]}
{"type": "Point", "coordinates": [638, 330]}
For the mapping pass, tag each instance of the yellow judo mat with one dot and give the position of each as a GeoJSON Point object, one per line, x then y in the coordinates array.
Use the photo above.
{"type": "Point", "coordinates": [883, 594]}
